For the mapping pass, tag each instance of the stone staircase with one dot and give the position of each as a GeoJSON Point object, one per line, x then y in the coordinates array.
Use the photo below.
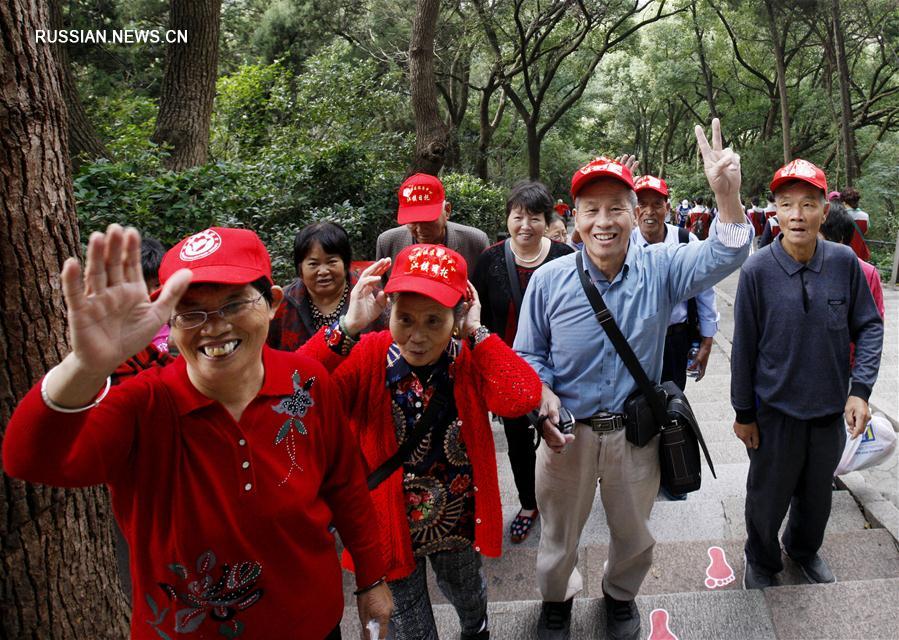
{"type": "Point", "coordinates": [863, 604]}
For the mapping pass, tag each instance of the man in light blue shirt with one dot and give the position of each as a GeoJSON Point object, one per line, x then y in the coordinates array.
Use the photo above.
{"type": "Point", "coordinates": [653, 209]}
{"type": "Point", "coordinates": [580, 369]}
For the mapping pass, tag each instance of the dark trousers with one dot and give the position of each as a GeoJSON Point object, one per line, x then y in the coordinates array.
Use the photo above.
{"type": "Point", "coordinates": [674, 362]}
{"type": "Point", "coordinates": [792, 469]}
{"type": "Point", "coordinates": [522, 457]}
{"type": "Point", "coordinates": [334, 635]}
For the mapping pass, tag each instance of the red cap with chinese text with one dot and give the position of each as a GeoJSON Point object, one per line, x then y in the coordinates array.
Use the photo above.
{"type": "Point", "coordinates": [421, 199]}
{"type": "Point", "coordinates": [799, 170]}
{"type": "Point", "coordinates": [651, 183]}
{"type": "Point", "coordinates": [218, 255]}
{"type": "Point", "coordinates": [432, 270]}
{"type": "Point", "coordinates": [600, 168]}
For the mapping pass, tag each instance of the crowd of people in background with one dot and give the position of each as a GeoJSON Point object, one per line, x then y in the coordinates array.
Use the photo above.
{"type": "Point", "coordinates": [248, 422]}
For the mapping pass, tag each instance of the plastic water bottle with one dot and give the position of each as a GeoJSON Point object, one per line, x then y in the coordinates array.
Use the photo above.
{"type": "Point", "coordinates": [692, 371]}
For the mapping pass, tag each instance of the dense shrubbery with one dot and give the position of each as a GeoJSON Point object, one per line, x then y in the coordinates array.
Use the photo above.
{"type": "Point", "coordinates": [288, 150]}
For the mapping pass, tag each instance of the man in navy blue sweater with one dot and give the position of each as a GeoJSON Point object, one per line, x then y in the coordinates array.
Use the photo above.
{"type": "Point", "coordinates": [800, 302]}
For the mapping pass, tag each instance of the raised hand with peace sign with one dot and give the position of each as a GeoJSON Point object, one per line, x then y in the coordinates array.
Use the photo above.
{"type": "Point", "coordinates": [722, 170]}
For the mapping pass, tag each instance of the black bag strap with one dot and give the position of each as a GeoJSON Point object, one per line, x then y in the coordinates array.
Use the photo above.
{"type": "Point", "coordinates": [607, 322]}
{"type": "Point", "coordinates": [512, 272]}
{"type": "Point", "coordinates": [649, 390]}
{"type": "Point", "coordinates": [440, 399]}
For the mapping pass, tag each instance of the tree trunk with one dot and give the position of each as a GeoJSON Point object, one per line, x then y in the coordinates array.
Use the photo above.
{"type": "Point", "coordinates": [533, 151]}
{"type": "Point", "coordinates": [487, 127]}
{"type": "Point", "coordinates": [84, 142]}
{"type": "Point", "coordinates": [57, 561]}
{"type": "Point", "coordinates": [188, 86]}
{"type": "Point", "coordinates": [707, 76]}
{"type": "Point", "coordinates": [780, 65]}
{"type": "Point", "coordinates": [847, 132]}
{"type": "Point", "coordinates": [430, 131]}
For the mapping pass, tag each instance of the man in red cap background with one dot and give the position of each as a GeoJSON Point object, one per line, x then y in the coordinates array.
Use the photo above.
{"type": "Point", "coordinates": [581, 370]}
{"type": "Point", "coordinates": [424, 213]}
{"type": "Point", "coordinates": [799, 303]}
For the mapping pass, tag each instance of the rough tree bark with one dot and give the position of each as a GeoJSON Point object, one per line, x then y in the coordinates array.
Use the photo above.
{"type": "Point", "coordinates": [430, 131]}
{"type": "Point", "coordinates": [84, 141]}
{"type": "Point", "coordinates": [56, 559]}
{"type": "Point", "coordinates": [188, 86]}
{"type": "Point", "coordinates": [847, 131]}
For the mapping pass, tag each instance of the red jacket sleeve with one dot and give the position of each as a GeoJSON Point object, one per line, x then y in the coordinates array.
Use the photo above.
{"type": "Point", "coordinates": [511, 386]}
{"type": "Point", "coordinates": [346, 492]}
{"type": "Point", "coordinates": [317, 349]}
{"type": "Point", "coordinates": [73, 449]}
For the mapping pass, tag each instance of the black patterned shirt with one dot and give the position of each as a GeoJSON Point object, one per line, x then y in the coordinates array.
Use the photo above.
{"type": "Point", "coordinates": [437, 476]}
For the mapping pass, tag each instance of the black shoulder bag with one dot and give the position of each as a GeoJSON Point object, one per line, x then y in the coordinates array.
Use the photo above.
{"type": "Point", "coordinates": [654, 408]}
{"type": "Point", "coordinates": [440, 399]}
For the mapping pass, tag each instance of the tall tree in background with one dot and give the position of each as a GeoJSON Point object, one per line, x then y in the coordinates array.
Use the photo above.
{"type": "Point", "coordinates": [847, 132]}
{"type": "Point", "coordinates": [57, 557]}
{"type": "Point", "coordinates": [778, 43]}
{"type": "Point", "coordinates": [430, 130]}
{"type": "Point", "coordinates": [84, 141]}
{"type": "Point", "coordinates": [548, 36]}
{"type": "Point", "coordinates": [188, 87]}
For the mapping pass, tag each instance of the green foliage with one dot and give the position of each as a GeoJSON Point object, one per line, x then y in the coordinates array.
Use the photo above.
{"type": "Point", "coordinates": [476, 203]}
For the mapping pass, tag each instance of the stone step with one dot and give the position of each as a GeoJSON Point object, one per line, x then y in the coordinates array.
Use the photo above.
{"type": "Point", "coordinates": [844, 610]}
{"type": "Point", "coordinates": [680, 564]}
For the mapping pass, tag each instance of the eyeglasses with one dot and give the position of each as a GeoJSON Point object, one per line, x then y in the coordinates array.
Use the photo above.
{"type": "Point", "coordinates": [194, 319]}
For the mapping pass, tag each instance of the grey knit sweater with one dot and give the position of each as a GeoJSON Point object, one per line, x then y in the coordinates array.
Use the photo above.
{"type": "Point", "coordinates": [793, 326]}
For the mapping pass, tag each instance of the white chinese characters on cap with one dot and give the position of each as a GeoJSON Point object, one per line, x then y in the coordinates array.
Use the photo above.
{"type": "Point", "coordinates": [200, 245]}
{"type": "Point", "coordinates": [432, 262]}
{"type": "Point", "coordinates": [802, 168]}
{"type": "Point", "coordinates": [418, 193]}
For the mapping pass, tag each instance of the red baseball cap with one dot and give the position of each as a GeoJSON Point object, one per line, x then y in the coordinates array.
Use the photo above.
{"type": "Point", "coordinates": [421, 199]}
{"type": "Point", "coordinates": [432, 270]}
{"type": "Point", "coordinates": [651, 183]}
{"type": "Point", "coordinates": [799, 170]}
{"type": "Point", "coordinates": [218, 255]}
{"type": "Point", "coordinates": [600, 168]}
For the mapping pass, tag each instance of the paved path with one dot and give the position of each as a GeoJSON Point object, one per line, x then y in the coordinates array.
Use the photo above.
{"type": "Point", "coordinates": [858, 544]}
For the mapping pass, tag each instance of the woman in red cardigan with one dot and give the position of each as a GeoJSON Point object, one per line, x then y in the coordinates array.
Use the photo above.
{"type": "Point", "coordinates": [441, 501]}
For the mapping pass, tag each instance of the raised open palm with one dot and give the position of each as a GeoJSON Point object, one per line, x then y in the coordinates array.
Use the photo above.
{"type": "Point", "coordinates": [110, 314]}
{"type": "Point", "coordinates": [367, 300]}
{"type": "Point", "coordinates": [722, 165]}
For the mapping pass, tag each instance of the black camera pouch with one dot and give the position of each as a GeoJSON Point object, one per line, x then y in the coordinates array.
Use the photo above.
{"type": "Point", "coordinates": [641, 424]}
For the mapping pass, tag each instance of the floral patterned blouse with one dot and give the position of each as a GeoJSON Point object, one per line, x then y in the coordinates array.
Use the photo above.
{"type": "Point", "coordinates": [437, 476]}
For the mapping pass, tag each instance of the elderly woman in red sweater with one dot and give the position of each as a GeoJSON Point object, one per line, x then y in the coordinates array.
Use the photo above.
{"type": "Point", "coordinates": [438, 496]}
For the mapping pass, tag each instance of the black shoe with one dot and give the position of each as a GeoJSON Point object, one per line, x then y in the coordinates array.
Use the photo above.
{"type": "Point", "coordinates": [555, 620]}
{"type": "Point", "coordinates": [481, 635]}
{"type": "Point", "coordinates": [754, 577]}
{"type": "Point", "coordinates": [816, 570]}
{"type": "Point", "coordinates": [622, 619]}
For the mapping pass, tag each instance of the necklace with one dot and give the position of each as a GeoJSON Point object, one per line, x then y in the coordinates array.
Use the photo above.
{"type": "Point", "coordinates": [528, 260]}
{"type": "Point", "coordinates": [319, 319]}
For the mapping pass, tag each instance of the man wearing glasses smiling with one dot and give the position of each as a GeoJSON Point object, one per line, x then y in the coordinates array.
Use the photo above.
{"type": "Point", "coordinates": [225, 467]}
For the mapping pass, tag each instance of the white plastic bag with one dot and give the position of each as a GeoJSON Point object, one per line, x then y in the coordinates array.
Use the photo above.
{"type": "Point", "coordinates": [875, 445]}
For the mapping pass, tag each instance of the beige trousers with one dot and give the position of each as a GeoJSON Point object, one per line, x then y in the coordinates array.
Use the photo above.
{"type": "Point", "coordinates": [566, 486]}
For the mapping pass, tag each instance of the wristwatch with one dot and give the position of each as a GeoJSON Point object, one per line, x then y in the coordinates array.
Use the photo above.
{"type": "Point", "coordinates": [478, 336]}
